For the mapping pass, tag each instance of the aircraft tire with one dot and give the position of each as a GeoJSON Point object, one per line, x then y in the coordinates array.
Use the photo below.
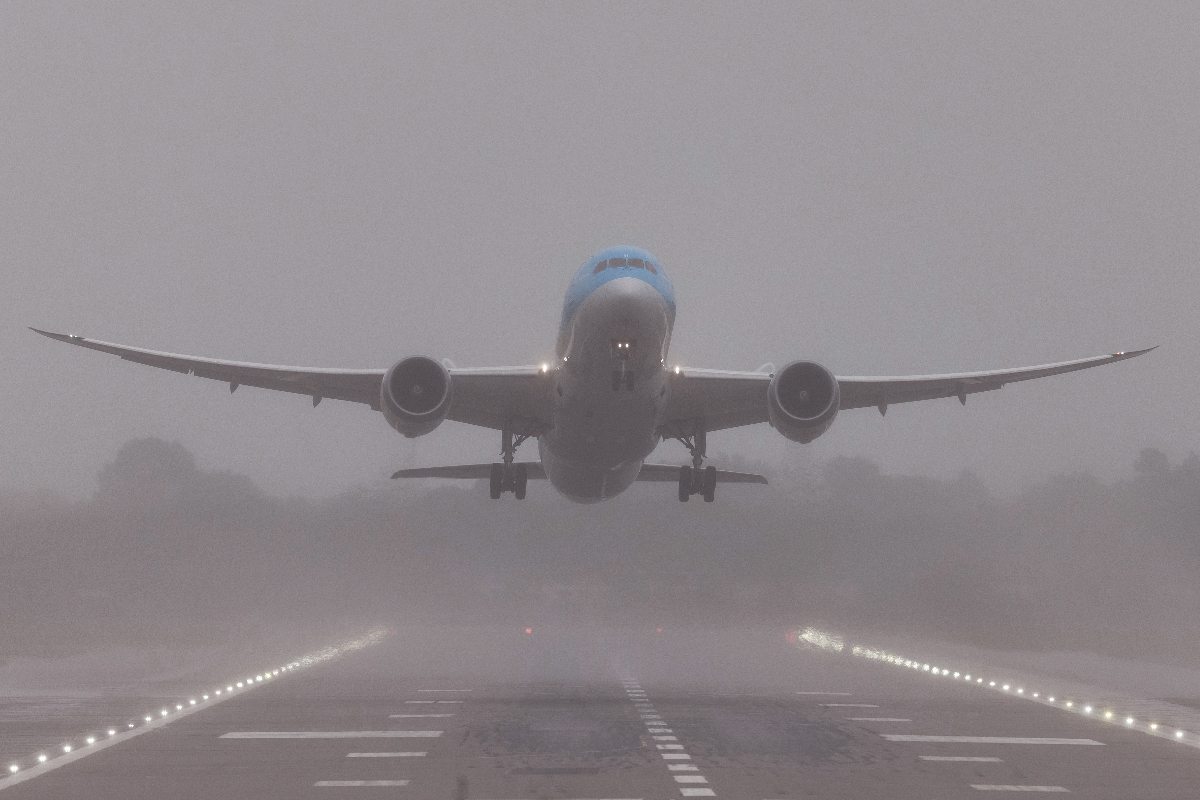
{"type": "Point", "coordinates": [685, 484]}
{"type": "Point", "coordinates": [520, 479]}
{"type": "Point", "coordinates": [497, 480]}
{"type": "Point", "coordinates": [710, 484]}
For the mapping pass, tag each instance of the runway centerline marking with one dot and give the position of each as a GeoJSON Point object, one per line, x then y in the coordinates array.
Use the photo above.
{"type": "Point", "coordinates": [959, 758]}
{"type": "Point", "coordinates": [1001, 787]}
{"type": "Point", "coordinates": [384, 755]}
{"type": "Point", "coordinates": [909, 737]}
{"type": "Point", "coordinates": [332, 735]}
{"type": "Point", "coordinates": [419, 702]}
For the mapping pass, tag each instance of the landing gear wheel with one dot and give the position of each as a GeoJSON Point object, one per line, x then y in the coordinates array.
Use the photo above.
{"type": "Point", "coordinates": [497, 480]}
{"type": "Point", "coordinates": [685, 484]}
{"type": "Point", "coordinates": [710, 484]}
{"type": "Point", "coordinates": [520, 478]}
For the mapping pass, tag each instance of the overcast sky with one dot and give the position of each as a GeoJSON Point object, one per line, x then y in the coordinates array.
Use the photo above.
{"type": "Point", "coordinates": [884, 189]}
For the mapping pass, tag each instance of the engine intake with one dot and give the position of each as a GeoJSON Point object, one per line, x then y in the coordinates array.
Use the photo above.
{"type": "Point", "coordinates": [415, 395]}
{"type": "Point", "coordinates": [803, 400]}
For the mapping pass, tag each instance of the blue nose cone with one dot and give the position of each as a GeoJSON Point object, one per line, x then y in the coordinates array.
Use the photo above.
{"type": "Point", "coordinates": [617, 262]}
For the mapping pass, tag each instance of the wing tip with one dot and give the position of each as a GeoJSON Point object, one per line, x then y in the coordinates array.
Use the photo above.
{"type": "Point", "coordinates": [1133, 353]}
{"type": "Point", "coordinates": [70, 338]}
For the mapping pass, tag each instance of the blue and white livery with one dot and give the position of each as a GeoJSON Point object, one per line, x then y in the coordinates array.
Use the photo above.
{"type": "Point", "coordinates": [610, 396]}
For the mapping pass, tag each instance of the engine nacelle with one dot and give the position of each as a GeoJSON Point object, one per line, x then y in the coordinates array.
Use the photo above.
{"type": "Point", "coordinates": [803, 400]}
{"type": "Point", "coordinates": [415, 395]}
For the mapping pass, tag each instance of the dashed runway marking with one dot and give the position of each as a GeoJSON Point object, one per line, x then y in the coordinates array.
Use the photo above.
{"type": "Point", "coordinates": [1000, 787]}
{"type": "Point", "coordinates": [959, 758]}
{"type": "Point", "coordinates": [906, 737]}
{"type": "Point", "coordinates": [655, 725]}
{"type": "Point", "coordinates": [332, 735]}
{"type": "Point", "coordinates": [361, 783]}
{"type": "Point", "coordinates": [419, 702]}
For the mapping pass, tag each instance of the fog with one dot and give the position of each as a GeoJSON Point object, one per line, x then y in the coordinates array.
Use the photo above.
{"type": "Point", "coordinates": [887, 190]}
{"type": "Point", "coordinates": [169, 554]}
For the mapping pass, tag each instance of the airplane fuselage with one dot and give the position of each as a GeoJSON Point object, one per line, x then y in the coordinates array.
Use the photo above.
{"type": "Point", "coordinates": [611, 376]}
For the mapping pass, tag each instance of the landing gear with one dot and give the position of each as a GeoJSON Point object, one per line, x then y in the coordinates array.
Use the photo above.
{"type": "Point", "coordinates": [697, 479]}
{"type": "Point", "coordinates": [507, 476]}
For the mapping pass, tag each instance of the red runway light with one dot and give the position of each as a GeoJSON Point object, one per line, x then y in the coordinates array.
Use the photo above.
{"type": "Point", "coordinates": [660, 630]}
{"type": "Point", "coordinates": [529, 630]}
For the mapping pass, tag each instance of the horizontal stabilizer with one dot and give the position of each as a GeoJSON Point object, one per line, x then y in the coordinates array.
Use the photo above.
{"type": "Point", "coordinates": [533, 471]}
{"type": "Point", "coordinates": [668, 473]}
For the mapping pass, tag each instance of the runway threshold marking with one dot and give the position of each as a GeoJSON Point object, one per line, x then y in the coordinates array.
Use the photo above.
{"type": "Point", "coordinates": [959, 758]}
{"type": "Point", "coordinates": [909, 737]}
{"type": "Point", "coordinates": [332, 735]}
{"type": "Point", "coordinates": [1001, 787]}
{"type": "Point", "coordinates": [384, 755]}
{"type": "Point", "coordinates": [361, 783]}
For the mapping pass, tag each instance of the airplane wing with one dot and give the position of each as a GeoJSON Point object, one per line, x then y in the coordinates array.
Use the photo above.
{"type": "Point", "coordinates": [657, 473]}
{"type": "Point", "coordinates": [726, 399]}
{"type": "Point", "coordinates": [489, 397]}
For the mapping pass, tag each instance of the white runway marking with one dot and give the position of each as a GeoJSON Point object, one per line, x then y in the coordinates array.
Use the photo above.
{"type": "Point", "coordinates": [999, 787]}
{"type": "Point", "coordinates": [411, 716]}
{"type": "Point", "coordinates": [697, 792]}
{"type": "Point", "coordinates": [679, 756]}
{"type": "Point", "coordinates": [959, 758]}
{"type": "Point", "coordinates": [848, 705]}
{"type": "Point", "coordinates": [332, 735]}
{"type": "Point", "coordinates": [665, 738]}
{"type": "Point", "coordinates": [906, 737]}
{"type": "Point", "coordinates": [690, 779]}
{"type": "Point", "coordinates": [669, 746]}
{"type": "Point", "coordinates": [683, 768]}
{"type": "Point", "coordinates": [660, 730]}
{"type": "Point", "coordinates": [361, 783]}
{"type": "Point", "coordinates": [878, 719]}
{"type": "Point", "coordinates": [834, 694]}
{"type": "Point", "coordinates": [448, 701]}
{"type": "Point", "coordinates": [416, 702]}
{"type": "Point", "coordinates": [383, 755]}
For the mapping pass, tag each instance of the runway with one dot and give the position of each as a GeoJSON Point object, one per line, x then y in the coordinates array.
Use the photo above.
{"type": "Point", "coordinates": [509, 715]}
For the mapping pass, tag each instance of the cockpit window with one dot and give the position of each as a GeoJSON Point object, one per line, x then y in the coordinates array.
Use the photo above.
{"type": "Point", "coordinates": [618, 263]}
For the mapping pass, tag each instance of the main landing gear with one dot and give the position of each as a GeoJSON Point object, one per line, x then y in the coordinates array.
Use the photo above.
{"type": "Point", "coordinates": [507, 476]}
{"type": "Point", "coordinates": [697, 479]}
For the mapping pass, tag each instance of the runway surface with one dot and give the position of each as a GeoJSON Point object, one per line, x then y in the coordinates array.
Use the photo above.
{"type": "Point", "coordinates": [566, 714]}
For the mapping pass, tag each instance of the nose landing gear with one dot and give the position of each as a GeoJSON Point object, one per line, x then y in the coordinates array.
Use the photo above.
{"type": "Point", "coordinates": [507, 476]}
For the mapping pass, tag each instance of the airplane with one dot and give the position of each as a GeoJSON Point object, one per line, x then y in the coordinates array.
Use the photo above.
{"type": "Point", "coordinates": [608, 398]}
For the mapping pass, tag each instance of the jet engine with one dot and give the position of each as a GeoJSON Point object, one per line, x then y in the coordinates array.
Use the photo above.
{"type": "Point", "coordinates": [803, 400]}
{"type": "Point", "coordinates": [415, 395]}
